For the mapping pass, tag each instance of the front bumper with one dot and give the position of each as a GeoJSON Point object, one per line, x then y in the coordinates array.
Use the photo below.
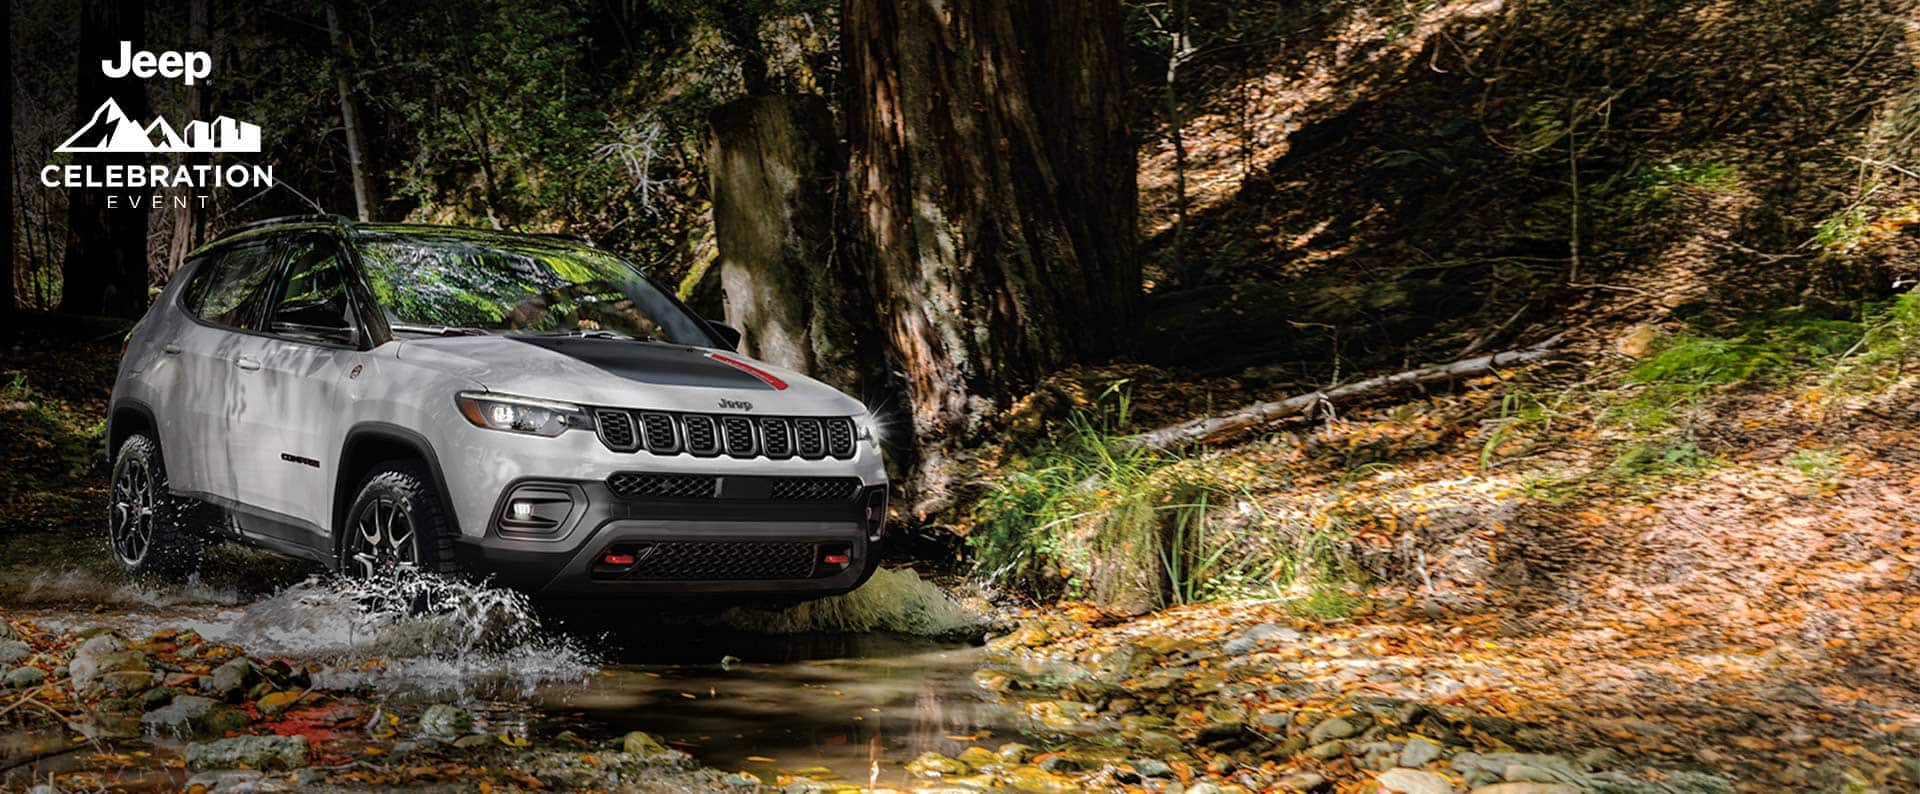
{"type": "Point", "coordinates": [704, 534]}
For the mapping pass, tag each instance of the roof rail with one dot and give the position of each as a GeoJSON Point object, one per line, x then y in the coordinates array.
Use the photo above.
{"type": "Point", "coordinates": [340, 220]}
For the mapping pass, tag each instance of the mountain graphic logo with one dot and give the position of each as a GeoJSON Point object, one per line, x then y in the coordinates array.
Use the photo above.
{"type": "Point", "coordinates": [110, 130]}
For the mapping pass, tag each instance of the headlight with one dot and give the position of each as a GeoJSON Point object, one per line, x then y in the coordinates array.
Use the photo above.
{"type": "Point", "coordinates": [521, 414]}
{"type": "Point", "coordinates": [865, 429]}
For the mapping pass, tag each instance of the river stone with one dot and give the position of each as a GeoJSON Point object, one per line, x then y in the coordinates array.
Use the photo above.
{"type": "Point", "coordinates": [125, 682]}
{"type": "Point", "coordinates": [1060, 715]}
{"type": "Point", "coordinates": [25, 677]}
{"type": "Point", "coordinates": [980, 759]}
{"type": "Point", "coordinates": [642, 744]}
{"type": "Point", "coordinates": [1419, 752]}
{"type": "Point", "coordinates": [1331, 729]}
{"type": "Point", "coordinates": [1299, 781]}
{"type": "Point", "coordinates": [1327, 750]}
{"type": "Point", "coordinates": [1528, 788]}
{"type": "Point", "coordinates": [1013, 753]}
{"type": "Point", "coordinates": [156, 697]}
{"type": "Point", "coordinates": [1260, 636]}
{"type": "Point", "coordinates": [1495, 767]}
{"type": "Point", "coordinates": [932, 764]}
{"type": "Point", "coordinates": [1413, 781]}
{"type": "Point", "coordinates": [14, 651]}
{"type": "Point", "coordinates": [474, 741]}
{"type": "Point", "coordinates": [277, 702]}
{"type": "Point", "coordinates": [1157, 743]}
{"type": "Point", "coordinates": [254, 752]}
{"type": "Point", "coordinates": [237, 781]}
{"type": "Point", "coordinates": [1152, 767]}
{"type": "Point", "coordinates": [740, 780]}
{"type": "Point", "coordinates": [445, 721]}
{"type": "Point", "coordinates": [1029, 778]}
{"type": "Point", "coordinates": [99, 656]}
{"type": "Point", "coordinates": [230, 680]}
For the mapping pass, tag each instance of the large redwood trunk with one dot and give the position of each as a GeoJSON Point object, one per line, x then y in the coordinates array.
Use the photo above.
{"type": "Point", "coordinates": [993, 180]}
{"type": "Point", "coordinates": [776, 174]}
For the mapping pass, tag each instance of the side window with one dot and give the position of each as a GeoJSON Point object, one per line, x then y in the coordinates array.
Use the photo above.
{"type": "Point", "coordinates": [313, 301]}
{"type": "Point", "coordinates": [229, 289]}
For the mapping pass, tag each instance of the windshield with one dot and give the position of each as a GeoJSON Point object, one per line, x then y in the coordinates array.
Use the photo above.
{"type": "Point", "coordinates": [450, 284]}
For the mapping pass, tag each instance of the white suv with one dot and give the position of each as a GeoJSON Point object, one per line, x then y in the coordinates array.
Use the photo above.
{"type": "Point", "coordinates": [523, 406]}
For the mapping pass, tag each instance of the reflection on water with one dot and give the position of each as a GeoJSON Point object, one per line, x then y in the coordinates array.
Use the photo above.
{"type": "Point", "coordinates": [840, 701]}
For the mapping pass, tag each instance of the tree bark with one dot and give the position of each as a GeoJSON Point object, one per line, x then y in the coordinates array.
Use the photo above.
{"type": "Point", "coordinates": [365, 199]}
{"type": "Point", "coordinates": [993, 184]}
{"type": "Point", "coordinates": [105, 269]}
{"type": "Point", "coordinates": [774, 170]}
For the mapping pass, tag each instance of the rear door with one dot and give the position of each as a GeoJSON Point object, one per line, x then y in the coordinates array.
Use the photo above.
{"type": "Point", "coordinates": [295, 385]}
{"type": "Point", "coordinates": [225, 302]}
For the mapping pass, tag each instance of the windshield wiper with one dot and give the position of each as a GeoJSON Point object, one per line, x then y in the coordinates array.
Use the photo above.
{"type": "Point", "coordinates": [437, 330]}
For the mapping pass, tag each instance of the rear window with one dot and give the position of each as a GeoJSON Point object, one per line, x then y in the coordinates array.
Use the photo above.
{"type": "Point", "coordinates": [230, 287]}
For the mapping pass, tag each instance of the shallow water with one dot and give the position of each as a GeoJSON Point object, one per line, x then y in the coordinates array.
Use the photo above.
{"type": "Point", "coordinates": [855, 704]}
{"type": "Point", "coordinates": [778, 692]}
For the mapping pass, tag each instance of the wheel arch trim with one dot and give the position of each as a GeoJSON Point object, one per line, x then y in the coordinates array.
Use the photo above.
{"type": "Point", "coordinates": [384, 433]}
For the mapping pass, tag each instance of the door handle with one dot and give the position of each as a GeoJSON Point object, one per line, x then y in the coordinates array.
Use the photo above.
{"type": "Point", "coordinates": [171, 349]}
{"type": "Point", "coordinates": [247, 363]}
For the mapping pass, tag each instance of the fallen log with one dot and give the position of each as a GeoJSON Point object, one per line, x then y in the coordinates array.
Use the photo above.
{"type": "Point", "coordinates": [1209, 429]}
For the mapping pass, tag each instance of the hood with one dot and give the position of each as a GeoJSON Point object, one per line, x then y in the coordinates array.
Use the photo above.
{"type": "Point", "coordinates": [628, 374]}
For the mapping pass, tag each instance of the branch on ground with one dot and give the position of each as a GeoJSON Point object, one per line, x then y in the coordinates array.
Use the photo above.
{"type": "Point", "coordinates": [1221, 427]}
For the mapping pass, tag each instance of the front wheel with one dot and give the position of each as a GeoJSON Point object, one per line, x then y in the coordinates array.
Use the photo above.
{"type": "Point", "coordinates": [147, 526]}
{"type": "Point", "coordinates": [397, 523]}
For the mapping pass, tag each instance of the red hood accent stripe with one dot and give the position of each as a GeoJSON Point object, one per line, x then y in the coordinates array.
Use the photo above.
{"type": "Point", "coordinates": [763, 375]}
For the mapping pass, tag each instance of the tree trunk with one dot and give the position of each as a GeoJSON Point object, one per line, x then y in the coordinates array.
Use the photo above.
{"type": "Point", "coordinates": [105, 269]}
{"type": "Point", "coordinates": [365, 199]}
{"type": "Point", "coordinates": [774, 167]}
{"type": "Point", "coordinates": [190, 220]}
{"type": "Point", "coordinates": [993, 181]}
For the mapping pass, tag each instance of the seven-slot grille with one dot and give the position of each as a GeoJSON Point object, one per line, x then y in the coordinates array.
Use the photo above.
{"type": "Point", "coordinates": [708, 435]}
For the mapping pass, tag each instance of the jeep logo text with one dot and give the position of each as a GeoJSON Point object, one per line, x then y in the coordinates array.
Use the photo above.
{"type": "Point", "coordinates": [143, 64]}
{"type": "Point", "coordinates": [738, 405]}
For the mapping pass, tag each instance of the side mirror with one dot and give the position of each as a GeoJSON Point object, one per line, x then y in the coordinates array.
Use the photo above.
{"type": "Point", "coordinates": [727, 333]}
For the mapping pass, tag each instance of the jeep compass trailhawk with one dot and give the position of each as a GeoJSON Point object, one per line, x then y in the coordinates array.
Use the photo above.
{"type": "Point", "coordinates": [521, 406]}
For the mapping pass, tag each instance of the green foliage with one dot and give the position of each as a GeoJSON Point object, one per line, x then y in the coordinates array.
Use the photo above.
{"type": "Point", "coordinates": [1658, 460]}
{"type": "Point", "coordinates": [1325, 601]}
{"type": "Point", "coordinates": [1089, 495]}
{"type": "Point", "coordinates": [1816, 464]}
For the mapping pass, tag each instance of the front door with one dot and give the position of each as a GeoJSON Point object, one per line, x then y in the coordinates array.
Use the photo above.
{"type": "Point", "coordinates": [292, 385]}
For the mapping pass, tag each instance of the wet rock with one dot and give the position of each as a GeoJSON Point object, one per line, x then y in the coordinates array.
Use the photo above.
{"type": "Point", "coordinates": [1419, 752]}
{"type": "Point", "coordinates": [1484, 768]}
{"type": "Point", "coordinates": [642, 744]}
{"type": "Point", "coordinates": [1152, 767]}
{"type": "Point", "coordinates": [189, 716]}
{"type": "Point", "coordinates": [980, 759]}
{"type": "Point", "coordinates": [25, 678]}
{"type": "Point", "coordinates": [1528, 788]}
{"type": "Point", "coordinates": [1157, 743]}
{"type": "Point", "coordinates": [1261, 636]}
{"type": "Point", "coordinates": [253, 752]}
{"type": "Point", "coordinates": [156, 697]}
{"type": "Point", "coordinates": [99, 656]}
{"type": "Point", "coordinates": [740, 780]}
{"type": "Point", "coordinates": [670, 770]}
{"type": "Point", "coordinates": [1032, 635]}
{"type": "Point", "coordinates": [1013, 753]}
{"type": "Point", "coordinates": [1333, 728]}
{"type": "Point", "coordinates": [238, 781]}
{"type": "Point", "coordinates": [1326, 750]}
{"type": "Point", "coordinates": [1060, 715]}
{"type": "Point", "coordinates": [1205, 787]}
{"type": "Point", "coordinates": [1028, 778]}
{"type": "Point", "coordinates": [1413, 781]}
{"type": "Point", "coordinates": [14, 651]}
{"type": "Point", "coordinates": [445, 721]}
{"type": "Point", "coordinates": [931, 764]}
{"type": "Point", "coordinates": [1378, 756]}
{"type": "Point", "coordinates": [230, 680]}
{"type": "Point", "coordinates": [125, 682]}
{"type": "Point", "coordinates": [275, 703]}
{"type": "Point", "coordinates": [992, 680]}
{"type": "Point", "coordinates": [1604, 757]}
{"type": "Point", "coordinates": [475, 741]}
{"type": "Point", "coordinates": [1273, 722]}
{"type": "Point", "coordinates": [1299, 781]}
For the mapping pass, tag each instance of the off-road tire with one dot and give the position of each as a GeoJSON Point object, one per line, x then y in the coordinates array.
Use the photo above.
{"type": "Point", "coordinates": [405, 484]}
{"type": "Point", "coordinates": [138, 492]}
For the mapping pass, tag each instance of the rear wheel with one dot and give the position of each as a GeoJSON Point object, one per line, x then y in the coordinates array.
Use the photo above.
{"type": "Point", "coordinates": [397, 522]}
{"type": "Point", "coordinates": [148, 528]}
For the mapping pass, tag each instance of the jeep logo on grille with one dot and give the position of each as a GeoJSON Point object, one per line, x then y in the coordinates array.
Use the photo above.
{"type": "Point", "coordinates": [738, 405]}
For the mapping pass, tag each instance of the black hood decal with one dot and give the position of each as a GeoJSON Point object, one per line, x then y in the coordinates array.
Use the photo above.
{"type": "Point", "coordinates": [648, 362]}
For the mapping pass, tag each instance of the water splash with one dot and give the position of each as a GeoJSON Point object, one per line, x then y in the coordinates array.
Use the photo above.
{"type": "Point", "coordinates": [412, 633]}
{"type": "Point", "coordinates": [81, 585]}
{"type": "Point", "coordinates": [894, 600]}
